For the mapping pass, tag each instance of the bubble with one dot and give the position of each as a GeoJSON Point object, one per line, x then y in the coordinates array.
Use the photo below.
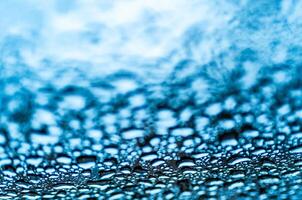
{"type": "Point", "coordinates": [237, 160]}
{"type": "Point", "coordinates": [132, 134]}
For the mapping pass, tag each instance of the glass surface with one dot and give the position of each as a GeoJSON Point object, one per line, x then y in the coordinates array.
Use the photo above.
{"type": "Point", "coordinates": [159, 99]}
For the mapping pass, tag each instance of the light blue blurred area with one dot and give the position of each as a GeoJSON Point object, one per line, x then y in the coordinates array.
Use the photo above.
{"type": "Point", "coordinates": [20, 18]}
{"type": "Point", "coordinates": [118, 34]}
{"type": "Point", "coordinates": [132, 34]}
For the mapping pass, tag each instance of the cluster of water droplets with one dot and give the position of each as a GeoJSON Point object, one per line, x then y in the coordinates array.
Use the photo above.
{"type": "Point", "coordinates": [118, 137]}
{"type": "Point", "coordinates": [217, 117]}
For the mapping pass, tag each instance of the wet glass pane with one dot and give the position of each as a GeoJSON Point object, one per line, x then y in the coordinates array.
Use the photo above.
{"type": "Point", "coordinates": [159, 99]}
